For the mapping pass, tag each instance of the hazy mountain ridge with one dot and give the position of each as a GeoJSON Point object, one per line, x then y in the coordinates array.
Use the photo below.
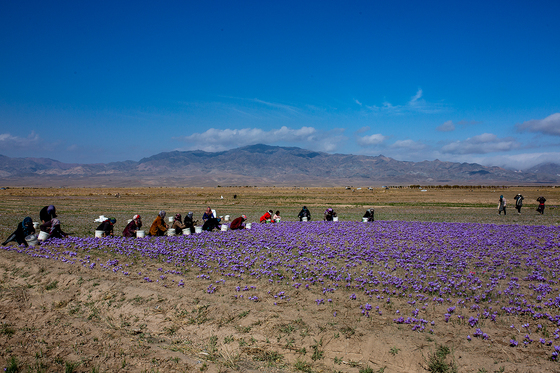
{"type": "Point", "coordinates": [265, 165]}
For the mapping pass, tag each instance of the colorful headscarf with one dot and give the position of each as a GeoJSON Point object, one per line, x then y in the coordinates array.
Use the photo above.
{"type": "Point", "coordinates": [51, 209]}
{"type": "Point", "coordinates": [178, 217]}
{"type": "Point", "coordinates": [112, 220]}
{"type": "Point", "coordinates": [27, 224]}
{"type": "Point", "coordinates": [136, 217]}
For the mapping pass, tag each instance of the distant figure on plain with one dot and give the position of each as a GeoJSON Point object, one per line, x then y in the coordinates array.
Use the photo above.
{"type": "Point", "coordinates": [24, 229]}
{"type": "Point", "coordinates": [107, 227]}
{"type": "Point", "coordinates": [518, 202]}
{"type": "Point", "coordinates": [304, 213]}
{"type": "Point", "coordinates": [132, 227]}
{"type": "Point", "coordinates": [330, 214]}
{"type": "Point", "coordinates": [541, 200]}
{"type": "Point", "coordinates": [159, 227]}
{"type": "Point", "coordinates": [502, 205]}
{"type": "Point", "coordinates": [369, 215]}
{"type": "Point", "coordinates": [237, 223]}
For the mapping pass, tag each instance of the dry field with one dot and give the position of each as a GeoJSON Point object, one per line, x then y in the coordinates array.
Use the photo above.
{"type": "Point", "coordinates": [66, 315]}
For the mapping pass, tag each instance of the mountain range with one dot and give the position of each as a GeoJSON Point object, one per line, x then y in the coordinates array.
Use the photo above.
{"type": "Point", "coordinates": [263, 165]}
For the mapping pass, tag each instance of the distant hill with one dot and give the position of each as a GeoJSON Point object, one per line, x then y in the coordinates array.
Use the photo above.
{"type": "Point", "coordinates": [265, 165]}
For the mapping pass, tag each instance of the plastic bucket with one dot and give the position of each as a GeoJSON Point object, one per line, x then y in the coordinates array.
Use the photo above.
{"type": "Point", "coordinates": [226, 218]}
{"type": "Point", "coordinates": [43, 236]}
{"type": "Point", "coordinates": [364, 220]}
{"type": "Point", "coordinates": [170, 219]}
{"type": "Point", "coordinates": [335, 218]}
{"type": "Point", "coordinates": [186, 231]}
{"type": "Point", "coordinates": [224, 228]}
{"type": "Point", "coordinates": [171, 232]}
{"type": "Point", "coordinates": [278, 219]}
{"type": "Point", "coordinates": [99, 234]}
{"type": "Point", "coordinates": [140, 234]}
{"type": "Point", "coordinates": [197, 229]}
{"type": "Point", "coordinates": [31, 240]}
{"type": "Point", "coordinates": [304, 218]}
{"type": "Point", "coordinates": [36, 225]}
{"type": "Point", "coordinates": [248, 226]}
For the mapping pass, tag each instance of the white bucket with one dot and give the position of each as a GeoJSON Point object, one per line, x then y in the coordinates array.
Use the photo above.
{"type": "Point", "coordinates": [140, 234]}
{"type": "Point", "coordinates": [226, 218]}
{"type": "Point", "coordinates": [304, 218]}
{"type": "Point", "coordinates": [186, 231]}
{"type": "Point", "coordinates": [248, 226]}
{"type": "Point", "coordinates": [224, 228]}
{"type": "Point", "coordinates": [214, 213]}
{"type": "Point", "coordinates": [99, 234]}
{"type": "Point", "coordinates": [364, 220]}
{"type": "Point", "coordinates": [197, 229]}
{"type": "Point", "coordinates": [31, 240]}
{"type": "Point", "coordinates": [278, 219]}
{"type": "Point", "coordinates": [36, 225]}
{"type": "Point", "coordinates": [171, 232]}
{"type": "Point", "coordinates": [43, 236]}
{"type": "Point", "coordinates": [170, 219]}
{"type": "Point", "coordinates": [335, 218]}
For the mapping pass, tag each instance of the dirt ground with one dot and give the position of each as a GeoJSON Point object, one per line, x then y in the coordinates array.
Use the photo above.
{"type": "Point", "coordinates": [56, 316]}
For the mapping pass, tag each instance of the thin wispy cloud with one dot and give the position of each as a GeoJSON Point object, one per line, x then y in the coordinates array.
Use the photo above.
{"type": "Point", "coordinates": [416, 104]}
{"type": "Point", "coordinates": [408, 145]}
{"type": "Point", "coordinates": [548, 126]}
{"type": "Point", "coordinates": [446, 127]}
{"type": "Point", "coordinates": [215, 139]}
{"type": "Point", "coordinates": [481, 144]}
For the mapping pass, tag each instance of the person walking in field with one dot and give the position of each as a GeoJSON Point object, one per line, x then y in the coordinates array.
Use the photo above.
{"type": "Point", "coordinates": [24, 229]}
{"type": "Point", "coordinates": [132, 227]}
{"type": "Point", "coordinates": [541, 200]}
{"type": "Point", "coordinates": [502, 205]}
{"type": "Point", "coordinates": [518, 202]}
{"type": "Point", "coordinates": [159, 227]}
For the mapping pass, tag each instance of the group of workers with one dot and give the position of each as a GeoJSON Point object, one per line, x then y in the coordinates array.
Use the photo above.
{"type": "Point", "coordinates": [49, 224]}
{"type": "Point", "coordinates": [502, 204]}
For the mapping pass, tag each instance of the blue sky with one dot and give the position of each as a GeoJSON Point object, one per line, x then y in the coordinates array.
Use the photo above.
{"type": "Point", "coordinates": [90, 82]}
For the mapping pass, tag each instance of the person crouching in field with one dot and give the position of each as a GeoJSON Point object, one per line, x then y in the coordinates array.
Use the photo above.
{"type": "Point", "coordinates": [47, 213]}
{"type": "Point", "coordinates": [267, 217]}
{"type": "Point", "coordinates": [237, 223]}
{"type": "Point", "coordinates": [159, 227]}
{"type": "Point", "coordinates": [502, 205]}
{"type": "Point", "coordinates": [132, 227]}
{"type": "Point", "coordinates": [178, 224]}
{"type": "Point", "coordinates": [369, 215]}
{"type": "Point", "coordinates": [329, 214]}
{"type": "Point", "coordinates": [276, 218]}
{"type": "Point", "coordinates": [24, 229]}
{"type": "Point", "coordinates": [189, 222]}
{"type": "Point", "coordinates": [541, 200]}
{"type": "Point", "coordinates": [52, 227]}
{"type": "Point", "coordinates": [304, 213]}
{"type": "Point", "coordinates": [518, 202]}
{"type": "Point", "coordinates": [107, 227]}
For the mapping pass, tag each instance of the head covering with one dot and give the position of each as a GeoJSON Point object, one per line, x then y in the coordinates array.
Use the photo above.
{"type": "Point", "coordinates": [208, 210]}
{"type": "Point", "coordinates": [162, 214]}
{"type": "Point", "coordinates": [136, 217]}
{"type": "Point", "coordinates": [51, 209]}
{"type": "Point", "coordinates": [329, 209]}
{"type": "Point", "coordinates": [244, 217]}
{"type": "Point", "coordinates": [501, 196]}
{"type": "Point", "coordinates": [178, 217]}
{"type": "Point", "coordinates": [26, 224]}
{"type": "Point", "coordinates": [112, 220]}
{"type": "Point", "coordinates": [270, 211]}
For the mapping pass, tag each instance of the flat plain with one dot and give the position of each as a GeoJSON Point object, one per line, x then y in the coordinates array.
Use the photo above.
{"type": "Point", "coordinates": [293, 296]}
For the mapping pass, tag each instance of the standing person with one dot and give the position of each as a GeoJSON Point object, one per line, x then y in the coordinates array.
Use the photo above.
{"type": "Point", "coordinates": [189, 222]}
{"type": "Point", "coordinates": [541, 201]}
{"type": "Point", "coordinates": [178, 224]}
{"type": "Point", "coordinates": [132, 227]}
{"type": "Point", "coordinates": [369, 215]}
{"type": "Point", "coordinates": [107, 227]}
{"type": "Point", "coordinates": [47, 213]}
{"type": "Point", "coordinates": [237, 223]}
{"type": "Point", "coordinates": [329, 214]}
{"type": "Point", "coordinates": [267, 217]}
{"type": "Point", "coordinates": [24, 229]}
{"type": "Point", "coordinates": [304, 213]}
{"type": "Point", "coordinates": [52, 227]}
{"type": "Point", "coordinates": [159, 227]}
{"type": "Point", "coordinates": [518, 202]}
{"type": "Point", "coordinates": [502, 205]}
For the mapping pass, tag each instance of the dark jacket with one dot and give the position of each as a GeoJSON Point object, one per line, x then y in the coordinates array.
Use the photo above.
{"type": "Point", "coordinates": [131, 228]}
{"type": "Point", "coordinates": [106, 227]}
{"type": "Point", "coordinates": [45, 216]}
{"type": "Point", "coordinates": [237, 223]}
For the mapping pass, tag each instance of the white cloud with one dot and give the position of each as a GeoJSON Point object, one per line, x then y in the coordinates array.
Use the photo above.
{"type": "Point", "coordinates": [481, 144]}
{"type": "Point", "coordinates": [549, 125]}
{"type": "Point", "coordinates": [518, 161]}
{"type": "Point", "coordinates": [7, 141]}
{"type": "Point", "coordinates": [415, 104]}
{"type": "Point", "coordinates": [408, 144]}
{"type": "Point", "coordinates": [446, 127]}
{"type": "Point", "coordinates": [358, 102]}
{"type": "Point", "coordinates": [371, 140]}
{"type": "Point", "coordinates": [218, 140]}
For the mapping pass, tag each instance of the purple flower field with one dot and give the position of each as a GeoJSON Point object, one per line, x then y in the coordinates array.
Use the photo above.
{"type": "Point", "coordinates": [492, 283]}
